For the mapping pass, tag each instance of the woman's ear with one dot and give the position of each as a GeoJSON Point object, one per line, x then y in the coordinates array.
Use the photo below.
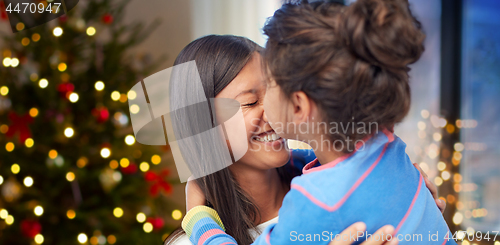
{"type": "Point", "coordinates": [303, 107]}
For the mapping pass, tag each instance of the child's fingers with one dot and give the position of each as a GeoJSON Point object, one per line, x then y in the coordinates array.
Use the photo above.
{"type": "Point", "coordinates": [381, 236]}
{"type": "Point", "coordinates": [441, 205]}
{"type": "Point", "coordinates": [347, 233]}
{"type": "Point", "coordinates": [432, 188]}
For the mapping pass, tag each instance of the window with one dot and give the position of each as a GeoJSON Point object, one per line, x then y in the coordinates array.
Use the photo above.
{"type": "Point", "coordinates": [480, 113]}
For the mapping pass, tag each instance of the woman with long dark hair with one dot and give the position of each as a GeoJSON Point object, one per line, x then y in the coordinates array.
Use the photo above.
{"type": "Point", "coordinates": [248, 194]}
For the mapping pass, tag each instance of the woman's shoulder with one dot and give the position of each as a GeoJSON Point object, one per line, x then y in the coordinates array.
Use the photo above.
{"type": "Point", "coordinates": [181, 239]}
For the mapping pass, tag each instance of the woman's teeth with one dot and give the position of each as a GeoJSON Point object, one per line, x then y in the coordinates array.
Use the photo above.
{"type": "Point", "coordinates": [268, 138]}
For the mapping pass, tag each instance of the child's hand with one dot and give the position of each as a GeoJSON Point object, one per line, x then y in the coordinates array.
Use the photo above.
{"type": "Point", "coordinates": [433, 188]}
{"type": "Point", "coordinates": [194, 195]}
{"type": "Point", "coordinates": [361, 227]}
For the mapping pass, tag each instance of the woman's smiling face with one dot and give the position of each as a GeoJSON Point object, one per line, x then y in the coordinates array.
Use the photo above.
{"type": "Point", "coordinates": [265, 149]}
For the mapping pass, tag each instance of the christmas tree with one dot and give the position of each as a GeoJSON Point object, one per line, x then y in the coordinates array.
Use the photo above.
{"type": "Point", "coordinates": [70, 169]}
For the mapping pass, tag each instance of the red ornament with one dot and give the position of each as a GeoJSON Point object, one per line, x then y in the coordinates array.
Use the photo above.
{"type": "Point", "coordinates": [101, 114]}
{"type": "Point", "coordinates": [63, 18]}
{"type": "Point", "coordinates": [107, 18]}
{"type": "Point", "coordinates": [65, 89]}
{"type": "Point", "coordinates": [157, 223]}
{"type": "Point", "coordinates": [3, 14]}
{"type": "Point", "coordinates": [30, 228]}
{"type": "Point", "coordinates": [158, 182]}
{"type": "Point", "coordinates": [19, 124]}
{"type": "Point", "coordinates": [130, 169]}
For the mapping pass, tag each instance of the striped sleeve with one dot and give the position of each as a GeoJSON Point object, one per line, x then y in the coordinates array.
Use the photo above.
{"type": "Point", "coordinates": [203, 226]}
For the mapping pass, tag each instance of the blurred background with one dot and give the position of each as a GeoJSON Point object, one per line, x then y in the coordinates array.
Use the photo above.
{"type": "Point", "coordinates": [72, 173]}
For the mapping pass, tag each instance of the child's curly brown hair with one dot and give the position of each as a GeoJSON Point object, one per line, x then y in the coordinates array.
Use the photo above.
{"type": "Point", "coordinates": [352, 61]}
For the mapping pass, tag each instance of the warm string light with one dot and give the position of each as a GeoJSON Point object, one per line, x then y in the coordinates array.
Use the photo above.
{"type": "Point", "coordinates": [14, 62]}
{"type": "Point", "coordinates": [99, 86]}
{"type": "Point", "coordinates": [155, 159]}
{"type": "Point", "coordinates": [105, 152]}
{"type": "Point", "coordinates": [4, 128]}
{"type": "Point", "coordinates": [71, 214]}
{"type": "Point", "coordinates": [4, 90]}
{"type": "Point", "coordinates": [62, 66]}
{"type": "Point", "coordinates": [82, 162]}
{"type": "Point", "coordinates": [38, 210]}
{"type": "Point", "coordinates": [29, 142]}
{"type": "Point", "coordinates": [20, 26]}
{"type": "Point", "coordinates": [98, 238]}
{"type": "Point", "coordinates": [4, 213]}
{"type": "Point", "coordinates": [73, 97]}
{"type": "Point", "coordinates": [91, 31]}
{"type": "Point", "coordinates": [147, 227]}
{"type": "Point", "coordinates": [115, 95]}
{"type": "Point", "coordinates": [28, 181]}
{"type": "Point", "coordinates": [70, 176]}
{"type": "Point", "coordinates": [10, 62]}
{"type": "Point", "coordinates": [15, 168]}
{"type": "Point", "coordinates": [9, 146]}
{"type": "Point", "coordinates": [43, 83]}
{"type": "Point", "coordinates": [111, 239]}
{"type": "Point", "coordinates": [82, 238]}
{"type": "Point", "coordinates": [118, 212]}
{"type": "Point", "coordinates": [134, 109]}
{"type": "Point", "coordinates": [69, 132]}
{"type": "Point", "coordinates": [33, 112]}
{"type": "Point", "coordinates": [25, 41]}
{"type": "Point", "coordinates": [113, 164]}
{"type": "Point", "coordinates": [141, 217]}
{"type": "Point", "coordinates": [53, 154]}
{"type": "Point", "coordinates": [39, 239]}
{"type": "Point", "coordinates": [35, 37]}
{"type": "Point", "coordinates": [129, 140]}
{"type": "Point", "coordinates": [124, 162]}
{"type": "Point", "coordinates": [176, 214]}
{"type": "Point", "coordinates": [6, 61]}
{"type": "Point", "coordinates": [131, 95]}
{"type": "Point", "coordinates": [9, 220]}
{"type": "Point", "coordinates": [58, 31]}
{"type": "Point", "coordinates": [144, 166]}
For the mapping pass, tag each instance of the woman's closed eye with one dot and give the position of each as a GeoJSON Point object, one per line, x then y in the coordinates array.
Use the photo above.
{"type": "Point", "coordinates": [251, 104]}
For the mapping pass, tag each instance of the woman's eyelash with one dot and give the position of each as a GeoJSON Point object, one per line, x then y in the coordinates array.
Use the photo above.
{"type": "Point", "coordinates": [251, 104]}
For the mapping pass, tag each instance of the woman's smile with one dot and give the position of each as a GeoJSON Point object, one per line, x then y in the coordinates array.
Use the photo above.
{"type": "Point", "coordinates": [268, 138]}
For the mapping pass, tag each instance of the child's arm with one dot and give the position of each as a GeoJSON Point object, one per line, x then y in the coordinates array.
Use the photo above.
{"type": "Point", "coordinates": [203, 226]}
{"type": "Point", "coordinates": [298, 216]}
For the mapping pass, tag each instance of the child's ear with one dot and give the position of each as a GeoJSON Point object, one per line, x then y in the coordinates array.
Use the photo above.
{"type": "Point", "coordinates": [303, 107]}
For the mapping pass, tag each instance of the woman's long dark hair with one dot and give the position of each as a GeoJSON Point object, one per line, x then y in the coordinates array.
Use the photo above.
{"type": "Point", "coordinates": [219, 59]}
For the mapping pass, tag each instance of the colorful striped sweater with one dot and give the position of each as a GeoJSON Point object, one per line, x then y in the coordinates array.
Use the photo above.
{"type": "Point", "coordinates": [377, 184]}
